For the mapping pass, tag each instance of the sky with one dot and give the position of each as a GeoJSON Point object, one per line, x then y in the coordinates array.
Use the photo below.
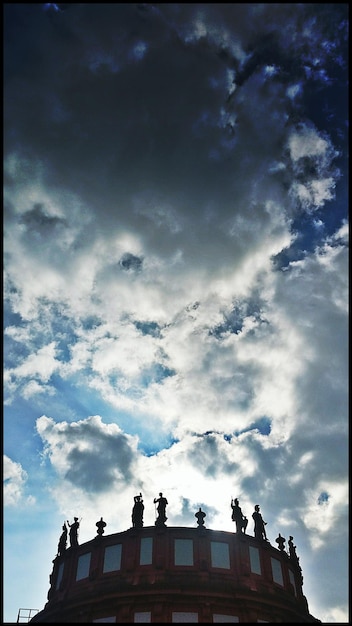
{"type": "Point", "coordinates": [176, 277]}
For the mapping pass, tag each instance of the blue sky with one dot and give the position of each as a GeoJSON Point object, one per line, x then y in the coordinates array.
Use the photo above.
{"type": "Point", "coordinates": [176, 277]}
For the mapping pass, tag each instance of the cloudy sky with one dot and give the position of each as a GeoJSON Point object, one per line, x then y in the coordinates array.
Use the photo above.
{"type": "Point", "coordinates": [176, 277]}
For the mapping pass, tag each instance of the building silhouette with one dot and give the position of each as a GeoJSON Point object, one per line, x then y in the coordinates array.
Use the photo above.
{"type": "Point", "coordinates": [166, 574]}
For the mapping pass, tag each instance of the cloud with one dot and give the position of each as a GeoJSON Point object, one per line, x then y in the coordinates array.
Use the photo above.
{"type": "Point", "coordinates": [324, 510]}
{"type": "Point", "coordinates": [176, 256]}
{"type": "Point", "coordinates": [87, 454]}
{"type": "Point", "coordinates": [307, 143]}
{"type": "Point", "coordinates": [15, 479]}
{"type": "Point", "coordinates": [41, 364]}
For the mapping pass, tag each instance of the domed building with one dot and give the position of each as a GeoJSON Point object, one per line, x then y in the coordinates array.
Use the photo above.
{"type": "Point", "coordinates": [161, 574]}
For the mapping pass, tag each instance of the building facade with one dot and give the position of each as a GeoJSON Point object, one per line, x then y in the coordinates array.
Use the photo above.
{"type": "Point", "coordinates": [162, 574]}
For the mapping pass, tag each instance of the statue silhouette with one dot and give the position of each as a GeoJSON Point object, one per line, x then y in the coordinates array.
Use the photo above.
{"type": "Point", "coordinates": [62, 541]}
{"type": "Point", "coordinates": [161, 508]}
{"type": "Point", "coordinates": [238, 517]}
{"type": "Point", "coordinates": [292, 550]}
{"type": "Point", "coordinates": [74, 532]}
{"type": "Point", "coordinates": [137, 512]}
{"type": "Point", "coordinates": [259, 524]}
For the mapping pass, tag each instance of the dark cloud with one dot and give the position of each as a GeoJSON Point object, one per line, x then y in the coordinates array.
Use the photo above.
{"type": "Point", "coordinates": [96, 470]}
{"type": "Point", "coordinates": [40, 222]}
{"type": "Point", "coordinates": [188, 510]}
{"type": "Point", "coordinates": [109, 125]}
{"type": "Point", "coordinates": [207, 453]}
{"type": "Point", "coordinates": [87, 454]}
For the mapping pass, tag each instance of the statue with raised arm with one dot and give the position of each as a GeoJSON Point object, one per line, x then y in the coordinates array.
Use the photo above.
{"type": "Point", "coordinates": [238, 517]}
{"type": "Point", "coordinates": [74, 532]}
{"type": "Point", "coordinates": [137, 512]}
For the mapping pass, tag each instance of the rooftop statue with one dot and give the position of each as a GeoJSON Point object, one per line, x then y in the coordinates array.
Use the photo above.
{"type": "Point", "coordinates": [238, 517]}
{"type": "Point", "coordinates": [293, 555]}
{"type": "Point", "coordinates": [292, 550]}
{"type": "Point", "coordinates": [259, 524]}
{"type": "Point", "coordinates": [62, 541]}
{"type": "Point", "coordinates": [137, 512]}
{"type": "Point", "coordinates": [161, 509]}
{"type": "Point", "coordinates": [74, 532]}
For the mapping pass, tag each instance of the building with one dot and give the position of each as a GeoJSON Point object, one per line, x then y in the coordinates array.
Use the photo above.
{"type": "Point", "coordinates": [162, 574]}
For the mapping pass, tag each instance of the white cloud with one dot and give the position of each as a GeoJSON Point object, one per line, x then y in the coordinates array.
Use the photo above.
{"type": "Point", "coordinates": [15, 479]}
{"type": "Point", "coordinates": [314, 193]}
{"type": "Point", "coordinates": [321, 518]}
{"type": "Point", "coordinates": [42, 364]}
{"type": "Point", "coordinates": [307, 143]}
{"type": "Point", "coordinates": [33, 388]}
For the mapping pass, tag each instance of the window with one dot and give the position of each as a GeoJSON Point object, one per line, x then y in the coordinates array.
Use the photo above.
{"type": "Point", "coordinates": [184, 617]}
{"type": "Point", "coordinates": [292, 580]}
{"type": "Point", "coordinates": [142, 616]}
{"type": "Point", "coordinates": [230, 619]}
{"type": "Point", "coordinates": [112, 558]}
{"type": "Point", "coordinates": [277, 571]}
{"type": "Point", "coordinates": [183, 551]}
{"type": "Point", "coordinates": [220, 555]}
{"type": "Point", "coordinates": [59, 576]}
{"type": "Point", "coordinates": [254, 560]}
{"type": "Point", "coordinates": [146, 553]}
{"type": "Point", "coordinates": [83, 566]}
{"type": "Point", "coordinates": [103, 620]}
